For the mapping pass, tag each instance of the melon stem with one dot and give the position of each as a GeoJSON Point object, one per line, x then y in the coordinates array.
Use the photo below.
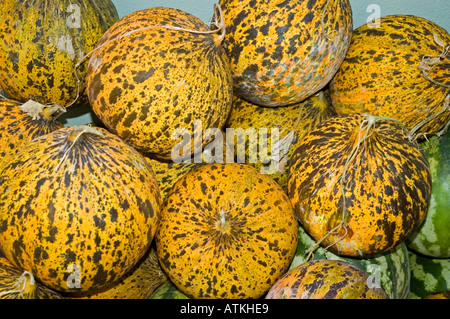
{"type": "Point", "coordinates": [72, 138]}
{"type": "Point", "coordinates": [432, 117]}
{"type": "Point", "coordinates": [219, 21]}
{"type": "Point", "coordinates": [430, 61]}
{"type": "Point", "coordinates": [53, 112]}
{"type": "Point", "coordinates": [223, 220]}
{"type": "Point", "coordinates": [37, 110]}
{"type": "Point", "coordinates": [22, 285]}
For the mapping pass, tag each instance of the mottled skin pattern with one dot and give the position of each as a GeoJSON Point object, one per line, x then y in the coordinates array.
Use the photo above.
{"type": "Point", "coordinates": [17, 128]}
{"type": "Point", "coordinates": [139, 283]}
{"type": "Point", "coordinates": [146, 84]}
{"type": "Point", "coordinates": [300, 118]}
{"type": "Point", "coordinates": [282, 51]}
{"type": "Point", "coordinates": [381, 75]}
{"type": "Point", "coordinates": [390, 270]}
{"type": "Point", "coordinates": [74, 197]}
{"type": "Point", "coordinates": [387, 187]}
{"type": "Point", "coordinates": [168, 173]}
{"type": "Point", "coordinates": [325, 279]}
{"type": "Point", "coordinates": [432, 238]}
{"type": "Point", "coordinates": [40, 45]}
{"type": "Point", "coordinates": [12, 284]}
{"type": "Point", "coordinates": [428, 275]}
{"type": "Point", "coordinates": [226, 231]}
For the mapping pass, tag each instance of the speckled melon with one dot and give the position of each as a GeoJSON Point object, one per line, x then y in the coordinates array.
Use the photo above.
{"type": "Point", "coordinates": [78, 208]}
{"type": "Point", "coordinates": [250, 128]}
{"type": "Point", "coordinates": [359, 185]}
{"type": "Point", "coordinates": [226, 231]}
{"type": "Point", "coordinates": [18, 284]}
{"type": "Point", "coordinates": [150, 84]}
{"type": "Point", "coordinates": [139, 283]}
{"type": "Point", "coordinates": [325, 279]}
{"type": "Point", "coordinates": [281, 51]}
{"type": "Point", "coordinates": [21, 123]}
{"type": "Point", "coordinates": [383, 73]}
{"type": "Point", "coordinates": [42, 41]}
{"type": "Point", "coordinates": [390, 270]}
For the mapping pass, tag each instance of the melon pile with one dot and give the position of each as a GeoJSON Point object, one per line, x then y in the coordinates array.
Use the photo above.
{"type": "Point", "coordinates": [277, 153]}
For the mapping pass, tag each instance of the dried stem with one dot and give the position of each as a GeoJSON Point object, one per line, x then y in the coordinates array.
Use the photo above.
{"type": "Point", "coordinates": [368, 124]}
{"type": "Point", "coordinates": [430, 61]}
{"type": "Point", "coordinates": [20, 285]}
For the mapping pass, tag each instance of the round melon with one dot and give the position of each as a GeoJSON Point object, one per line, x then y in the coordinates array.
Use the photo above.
{"type": "Point", "coordinates": [226, 231]}
{"type": "Point", "coordinates": [389, 270]}
{"type": "Point", "coordinates": [250, 129]}
{"type": "Point", "coordinates": [78, 208]}
{"type": "Point", "coordinates": [21, 123]}
{"type": "Point", "coordinates": [42, 46]}
{"type": "Point", "coordinates": [359, 185]}
{"type": "Point", "coordinates": [282, 52]}
{"type": "Point", "coordinates": [398, 70]}
{"type": "Point", "coordinates": [433, 237]}
{"type": "Point", "coordinates": [159, 75]}
{"type": "Point", "coordinates": [325, 279]}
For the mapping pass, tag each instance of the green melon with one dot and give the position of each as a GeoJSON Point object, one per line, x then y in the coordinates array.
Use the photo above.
{"type": "Point", "coordinates": [168, 291]}
{"type": "Point", "coordinates": [432, 238]}
{"type": "Point", "coordinates": [428, 275]}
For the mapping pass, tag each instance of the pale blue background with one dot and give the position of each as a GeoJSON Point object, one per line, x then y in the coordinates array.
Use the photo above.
{"type": "Point", "coordinates": [437, 11]}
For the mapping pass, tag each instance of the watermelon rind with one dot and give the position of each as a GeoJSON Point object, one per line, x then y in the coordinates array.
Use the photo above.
{"type": "Point", "coordinates": [428, 275]}
{"type": "Point", "coordinates": [432, 238]}
{"type": "Point", "coordinates": [389, 270]}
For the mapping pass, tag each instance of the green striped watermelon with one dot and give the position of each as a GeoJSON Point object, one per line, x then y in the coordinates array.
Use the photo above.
{"type": "Point", "coordinates": [432, 238]}
{"type": "Point", "coordinates": [428, 275]}
{"type": "Point", "coordinates": [390, 270]}
{"type": "Point", "coordinates": [167, 291]}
